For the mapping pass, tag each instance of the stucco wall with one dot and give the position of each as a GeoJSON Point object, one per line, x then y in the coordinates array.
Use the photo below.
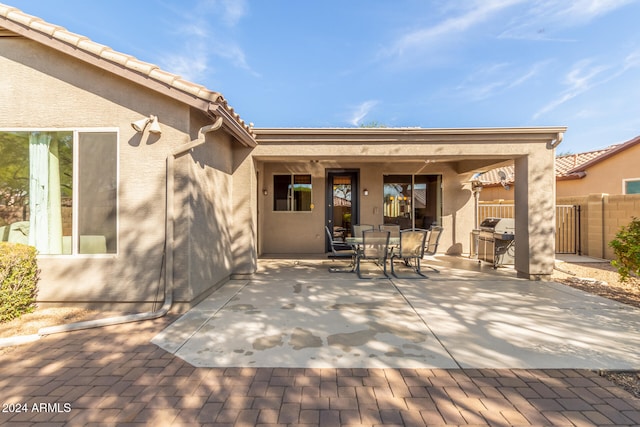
{"type": "Point", "coordinates": [495, 193]}
{"type": "Point", "coordinates": [45, 89]}
{"type": "Point", "coordinates": [606, 176]}
{"type": "Point", "coordinates": [303, 232]}
{"type": "Point", "coordinates": [203, 218]}
{"type": "Point", "coordinates": [602, 216]}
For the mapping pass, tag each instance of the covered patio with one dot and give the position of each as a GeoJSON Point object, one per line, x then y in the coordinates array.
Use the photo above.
{"type": "Point", "coordinates": [307, 179]}
{"type": "Point", "coordinates": [294, 313]}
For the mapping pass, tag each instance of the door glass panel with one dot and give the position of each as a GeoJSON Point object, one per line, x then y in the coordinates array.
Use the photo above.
{"type": "Point", "coordinates": [397, 200]}
{"type": "Point", "coordinates": [412, 200]}
{"type": "Point", "coordinates": [426, 200]}
{"type": "Point", "coordinates": [341, 215]}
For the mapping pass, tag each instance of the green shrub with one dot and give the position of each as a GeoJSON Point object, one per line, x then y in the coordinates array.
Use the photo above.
{"type": "Point", "coordinates": [626, 247]}
{"type": "Point", "coordinates": [18, 280]}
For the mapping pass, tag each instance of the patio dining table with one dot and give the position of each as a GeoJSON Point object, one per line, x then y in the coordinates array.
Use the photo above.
{"type": "Point", "coordinates": [357, 241]}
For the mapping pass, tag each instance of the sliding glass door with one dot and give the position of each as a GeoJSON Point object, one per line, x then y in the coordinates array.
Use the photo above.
{"type": "Point", "coordinates": [412, 201]}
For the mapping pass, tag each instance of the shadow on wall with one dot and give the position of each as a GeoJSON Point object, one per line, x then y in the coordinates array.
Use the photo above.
{"type": "Point", "coordinates": [460, 201]}
{"type": "Point", "coordinates": [134, 275]}
{"type": "Point", "coordinates": [542, 224]}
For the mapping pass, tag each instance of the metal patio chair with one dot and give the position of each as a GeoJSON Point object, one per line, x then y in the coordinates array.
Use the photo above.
{"type": "Point", "coordinates": [431, 244]}
{"type": "Point", "coordinates": [411, 249]}
{"type": "Point", "coordinates": [394, 229]}
{"type": "Point", "coordinates": [340, 250]}
{"type": "Point", "coordinates": [359, 228]}
{"type": "Point", "coordinates": [375, 247]}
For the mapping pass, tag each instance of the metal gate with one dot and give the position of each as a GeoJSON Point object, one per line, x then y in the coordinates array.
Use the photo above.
{"type": "Point", "coordinates": [568, 229]}
{"type": "Point", "coordinates": [567, 224]}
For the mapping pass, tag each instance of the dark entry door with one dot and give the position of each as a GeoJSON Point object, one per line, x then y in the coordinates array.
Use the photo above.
{"type": "Point", "coordinates": [342, 202]}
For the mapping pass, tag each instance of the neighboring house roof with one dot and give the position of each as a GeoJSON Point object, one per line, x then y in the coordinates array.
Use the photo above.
{"type": "Point", "coordinates": [15, 22]}
{"type": "Point", "coordinates": [568, 166]}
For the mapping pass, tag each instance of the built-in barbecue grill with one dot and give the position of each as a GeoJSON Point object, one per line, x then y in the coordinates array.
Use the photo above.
{"type": "Point", "coordinates": [496, 240]}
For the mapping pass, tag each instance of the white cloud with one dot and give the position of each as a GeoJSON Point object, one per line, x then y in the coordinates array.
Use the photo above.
{"type": "Point", "coordinates": [490, 80]}
{"type": "Point", "coordinates": [585, 76]}
{"type": "Point", "coordinates": [529, 74]}
{"type": "Point", "coordinates": [433, 36]}
{"type": "Point", "coordinates": [543, 18]}
{"type": "Point", "coordinates": [361, 111]}
{"type": "Point", "coordinates": [192, 63]}
{"type": "Point", "coordinates": [230, 11]}
{"type": "Point", "coordinates": [202, 40]}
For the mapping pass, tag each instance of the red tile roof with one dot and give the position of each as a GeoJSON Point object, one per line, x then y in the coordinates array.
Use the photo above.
{"type": "Point", "coordinates": [568, 166]}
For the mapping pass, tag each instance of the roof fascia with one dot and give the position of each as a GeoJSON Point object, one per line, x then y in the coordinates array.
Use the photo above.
{"type": "Point", "coordinates": [390, 135]}
{"type": "Point", "coordinates": [232, 126]}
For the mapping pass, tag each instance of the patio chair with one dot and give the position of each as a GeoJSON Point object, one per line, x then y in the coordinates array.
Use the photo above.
{"type": "Point", "coordinates": [359, 228]}
{"type": "Point", "coordinates": [394, 232]}
{"type": "Point", "coordinates": [431, 244]}
{"type": "Point", "coordinates": [375, 247]}
{"type": "Point", "coordinates": [340, 250]}
{"type": "Point", "coordinates": [394, 229]}
{"type": "Point", "coordinates": [412, 243]}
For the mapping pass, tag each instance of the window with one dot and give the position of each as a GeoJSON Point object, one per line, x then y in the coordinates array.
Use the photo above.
{"type": "Point", "coordinates": [292, 192]}
{"type": "Point", "coordinates": [631, 186]}
{"type": "Point", "coordinates": [412, 200]}
{"type": "Point", "coordinates": [58, 191]}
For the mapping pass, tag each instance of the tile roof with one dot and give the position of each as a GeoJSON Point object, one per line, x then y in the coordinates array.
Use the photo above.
{"type": "Point", "coordinates": [15, 21]}
{"type": "Point", "coordinates": [568, 166]}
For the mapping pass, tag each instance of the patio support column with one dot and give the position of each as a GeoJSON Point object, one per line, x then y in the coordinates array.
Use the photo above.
{"type": "Point", "coordinates": [535, 214]}
{"type": "Point", "coordinates": [244, 223]}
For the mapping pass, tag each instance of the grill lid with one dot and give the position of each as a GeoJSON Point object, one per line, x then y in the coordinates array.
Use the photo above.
{"type": "Point", "coordinates": [498, 225]}
{"type": "Point", "coordinates": [489, 223]}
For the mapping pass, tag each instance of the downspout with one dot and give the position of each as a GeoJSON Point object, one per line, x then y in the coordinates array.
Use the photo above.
{"type": "Point", "coordinates": [169, 242]}
{"type": "Point", "coordinates": [557, 140]}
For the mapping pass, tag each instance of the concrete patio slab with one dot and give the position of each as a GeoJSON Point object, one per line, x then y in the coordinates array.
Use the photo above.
{"type": "Point", "coordinates": [524, 324]}
{"type": "Point", "coordinates": [307, 323]}
{"type": "Point", "coordinates": [296, 314]}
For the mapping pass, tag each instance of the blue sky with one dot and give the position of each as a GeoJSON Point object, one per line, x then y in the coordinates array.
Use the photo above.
{"type": "Point", "coordinates": [438, 63]}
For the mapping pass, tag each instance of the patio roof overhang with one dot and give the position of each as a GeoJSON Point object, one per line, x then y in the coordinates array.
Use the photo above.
{"type": "Point", "coordinates": [467, 149]}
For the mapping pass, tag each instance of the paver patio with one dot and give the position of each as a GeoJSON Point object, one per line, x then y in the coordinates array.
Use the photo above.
{"type": "Point", "coordinates": [116, 376]}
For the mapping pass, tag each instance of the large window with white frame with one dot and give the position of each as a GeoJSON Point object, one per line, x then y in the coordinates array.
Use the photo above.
{"type": "Point", "coordinates": [58, 190]}
{"type": "Point", "coordinates": [631, 186]}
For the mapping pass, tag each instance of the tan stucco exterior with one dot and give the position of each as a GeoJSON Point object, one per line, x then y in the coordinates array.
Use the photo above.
{"type": "Point", "coordinates": [218, 219]}
{"type": "Point", "coordinates": [605, 176]}
{"type": "Point", "coordinates": [47, 90]}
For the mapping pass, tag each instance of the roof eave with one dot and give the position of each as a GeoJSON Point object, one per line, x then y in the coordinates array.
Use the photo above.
{"type": "Point", "coordinates": [231, 125]}
{"type": "Point", "coordinates": [542, 134]}
{"type": "Point", "coordinates": [572, 176]}
{"type": "Point", "coordinates": [149, 76]}
{"type": "Point", "coordinates": [624, 146]}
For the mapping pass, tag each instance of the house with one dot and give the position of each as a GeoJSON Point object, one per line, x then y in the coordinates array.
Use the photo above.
{"type": "Point", "coordinates": [134, 184]}
{"type": "Point", "coordinates": [611, 170]}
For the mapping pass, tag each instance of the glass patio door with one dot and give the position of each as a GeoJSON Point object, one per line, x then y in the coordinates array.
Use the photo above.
{"type": "Point", "coordinates": [412, 200]}
{"type": "Point", "coordinates": [342, 202]}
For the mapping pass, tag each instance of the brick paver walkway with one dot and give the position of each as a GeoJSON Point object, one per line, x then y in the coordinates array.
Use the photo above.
{"type": "Point", "coordinates": [115, 376]}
